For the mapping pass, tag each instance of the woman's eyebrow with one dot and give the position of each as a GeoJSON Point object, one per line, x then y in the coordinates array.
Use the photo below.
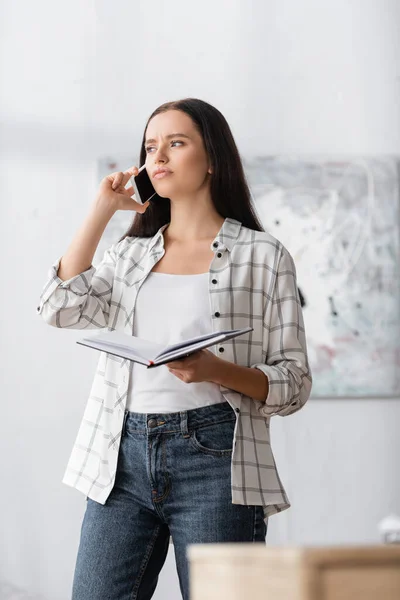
{"type": "Point", "coordinates": [172, 135]}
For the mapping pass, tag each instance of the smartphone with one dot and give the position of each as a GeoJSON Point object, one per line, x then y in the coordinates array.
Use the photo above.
{"type": "Point", "coordinates": [143, 187]}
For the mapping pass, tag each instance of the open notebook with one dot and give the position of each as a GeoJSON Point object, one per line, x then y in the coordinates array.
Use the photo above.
{"type": "Point", "coordinates": [151, 354]}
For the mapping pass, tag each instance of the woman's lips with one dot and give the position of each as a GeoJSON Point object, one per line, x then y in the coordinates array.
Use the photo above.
{"type": "Point", "coordinates": [162, 174]}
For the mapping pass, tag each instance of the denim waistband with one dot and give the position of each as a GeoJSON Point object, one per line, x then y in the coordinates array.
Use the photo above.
{"type": "Point", "coordinates": [182, 421]}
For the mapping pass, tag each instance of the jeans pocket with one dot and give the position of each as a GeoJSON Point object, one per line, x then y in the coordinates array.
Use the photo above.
{"type": "Point", "coordinates": [214, 438]}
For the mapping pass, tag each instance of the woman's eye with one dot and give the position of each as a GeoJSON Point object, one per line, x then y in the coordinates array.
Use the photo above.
{"type": "Point", "coordinates": [173, 143]}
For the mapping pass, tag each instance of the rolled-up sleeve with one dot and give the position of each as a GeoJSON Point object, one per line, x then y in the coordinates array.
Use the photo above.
{"type": "Point", "coordinates": [82, 302]}
{"type": "Point", "coordinates": [286, 365]}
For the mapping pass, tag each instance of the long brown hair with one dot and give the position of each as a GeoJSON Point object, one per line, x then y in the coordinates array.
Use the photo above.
{"type": "Point", "coordinates": [230, 193]}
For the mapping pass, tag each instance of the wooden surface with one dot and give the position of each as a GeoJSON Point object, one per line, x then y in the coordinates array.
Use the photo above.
{"type": "Point", "coordinates": [244, 571]}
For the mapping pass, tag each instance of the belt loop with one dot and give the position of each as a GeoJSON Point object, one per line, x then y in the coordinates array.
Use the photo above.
{"type": "Point", "coordinates": [184, 423]}
{"type": "Point", "coordinates": [124, 423]}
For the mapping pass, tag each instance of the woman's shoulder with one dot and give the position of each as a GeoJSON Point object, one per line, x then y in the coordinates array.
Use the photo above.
{"type": "Point", "coordinates": [261, 238]}
{"type": "Point", "coordinates": [266, 245]}
{"type": "Point", "coordinates": [131, 245]}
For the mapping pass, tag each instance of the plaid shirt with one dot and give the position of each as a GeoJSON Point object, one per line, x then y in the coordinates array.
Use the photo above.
{"type": "Point", "coordinates": [252, 282]}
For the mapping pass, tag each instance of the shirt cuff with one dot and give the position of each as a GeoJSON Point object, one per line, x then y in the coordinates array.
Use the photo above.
{"type": "Point", "coordinates": [79, 284]}
{"type": "Point", "coordinates": [275, 402]}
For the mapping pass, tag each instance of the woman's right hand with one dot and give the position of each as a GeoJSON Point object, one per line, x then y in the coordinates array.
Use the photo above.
{"type": "Point", "coordinates": [113, 195]}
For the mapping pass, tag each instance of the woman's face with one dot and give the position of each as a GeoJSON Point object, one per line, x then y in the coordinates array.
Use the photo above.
{"type": "Point", "coordinates": [176, 159]}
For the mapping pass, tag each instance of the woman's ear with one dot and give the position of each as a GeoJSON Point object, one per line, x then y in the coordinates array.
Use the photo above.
{"type": "Point", "coordinates": [209, 170]}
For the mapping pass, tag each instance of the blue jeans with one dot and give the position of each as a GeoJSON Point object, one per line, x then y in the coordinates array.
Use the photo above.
{"type": "Point", "coordinates": [173, 478]}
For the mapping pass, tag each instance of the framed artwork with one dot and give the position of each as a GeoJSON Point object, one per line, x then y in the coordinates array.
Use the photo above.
{"type": "Point", "coordinates": [339, 218]}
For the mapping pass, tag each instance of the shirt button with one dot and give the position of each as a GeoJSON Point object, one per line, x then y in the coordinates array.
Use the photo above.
{"type": "Point", "coordinates": [237, 410]}
{"type": "Point", "coordinates": [221, 350]}
{"type": "Point", "coordinates": [215, 244]}
{"type": "Point", "coordinates": [217, 314]}
{"type": "Point", "coordinates": [219, 254]}
{"type": "Point", "coordinates": [152, 423]}
{"type": "Point", "coordinates": [214, 281]}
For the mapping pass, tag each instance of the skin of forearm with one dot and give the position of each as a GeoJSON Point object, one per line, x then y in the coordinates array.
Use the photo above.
{"type": "Point", "coordinates": [247, 381]}
{"type": "Point", "coordinates": [79, 255]}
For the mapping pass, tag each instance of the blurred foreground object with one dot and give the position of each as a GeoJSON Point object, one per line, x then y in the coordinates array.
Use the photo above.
{"type": "Point", "coordinates": [389, 529]}
{"type": "Point", "coordinates": [243, 571]}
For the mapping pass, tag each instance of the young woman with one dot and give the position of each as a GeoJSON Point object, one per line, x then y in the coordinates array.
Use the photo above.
{"type": "Point", "coordinates": [184, 449]}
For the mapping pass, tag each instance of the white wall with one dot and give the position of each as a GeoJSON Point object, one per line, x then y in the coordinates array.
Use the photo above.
{"type": "Point", "coordinates": [78, 81]}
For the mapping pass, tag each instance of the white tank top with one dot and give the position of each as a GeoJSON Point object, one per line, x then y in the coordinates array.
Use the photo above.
{"type": "Point", "coordinates": [170, 308]}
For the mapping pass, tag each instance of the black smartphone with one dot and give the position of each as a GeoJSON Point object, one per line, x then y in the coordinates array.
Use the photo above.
{"type": "Point", "coordinates": [143, 187]}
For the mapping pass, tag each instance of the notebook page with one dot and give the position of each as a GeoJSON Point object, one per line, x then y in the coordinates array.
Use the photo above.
{"type": "Point", "coordinates": [217, 337]}
{"type": "Point", "coordinates": [116, 351]}
{"type": "Point", "coordinates": [128, 343]}
{"type": "Point", "coordinates": [185, 343]}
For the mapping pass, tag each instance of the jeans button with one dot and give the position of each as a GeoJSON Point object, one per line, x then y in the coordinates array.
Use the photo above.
{"type": "Point", "coordinates": [152, 423]}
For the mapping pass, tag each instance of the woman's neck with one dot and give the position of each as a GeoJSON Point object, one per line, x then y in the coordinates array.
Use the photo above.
{"type": "Point", "coordinates": [193, 228]}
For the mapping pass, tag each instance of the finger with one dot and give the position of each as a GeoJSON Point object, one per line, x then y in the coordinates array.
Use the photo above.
{"type": "Point", "coordinates": [120, 190]}
{"type": "Point", "coordinates": [140, 208]}
{"type": "Point", "coordinates": [131, 204]}
{"type": "Point", "coordinates": [174, 367]}
{"type": "Point", "coordinates": [112, 176]}
{"type": "Point", "coordinates": [131, 172]}
{"type": "Point", "coordinates": [176, 364]}
{"type": "Point", "coordinates": [144, 206]}
{"type": "Point", "coordinates": [128, 191]}
{"type": "Point", "coordinates": [185, 362]}
{"type": "Point", "coordinates": [117, 180]}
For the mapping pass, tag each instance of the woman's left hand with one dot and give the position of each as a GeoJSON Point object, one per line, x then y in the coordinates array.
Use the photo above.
{"type": "Point", "coordinates": [200, 366]}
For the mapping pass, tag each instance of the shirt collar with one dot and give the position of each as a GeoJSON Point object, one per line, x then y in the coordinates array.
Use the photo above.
{"type": "Point", "coordinates": [225, 238]}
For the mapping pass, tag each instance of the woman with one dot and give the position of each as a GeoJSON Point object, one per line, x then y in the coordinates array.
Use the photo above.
{"type": "Point", "coordinates": [183, 449]}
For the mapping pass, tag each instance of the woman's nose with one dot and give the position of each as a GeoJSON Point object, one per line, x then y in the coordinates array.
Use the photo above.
{"type": "Point", "coordinates": [160, 156]}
